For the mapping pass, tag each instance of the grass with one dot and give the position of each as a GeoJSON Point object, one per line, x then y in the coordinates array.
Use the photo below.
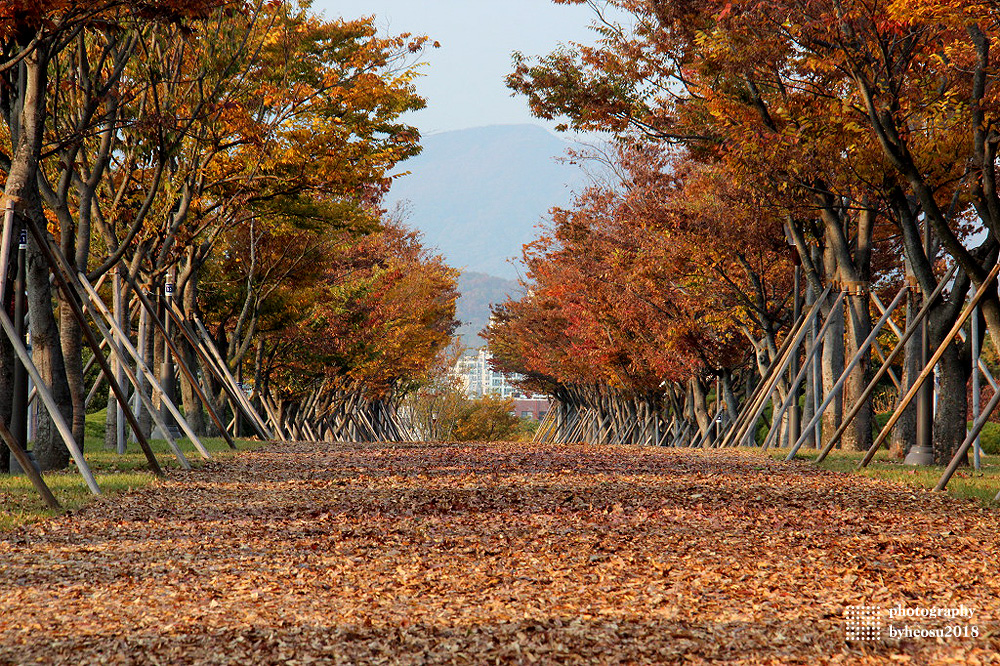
{"type": "Point", "coordinates": [966, 482]}
{"type": "Point", "coordinates": [20, 504]}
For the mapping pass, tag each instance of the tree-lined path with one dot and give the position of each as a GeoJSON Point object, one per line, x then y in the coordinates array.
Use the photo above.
{"type": "Point", "coordinates": [516, 553]}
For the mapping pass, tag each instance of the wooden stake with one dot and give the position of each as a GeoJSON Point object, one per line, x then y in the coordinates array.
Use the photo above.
{"type": "Point", "coordinates": [876, 329]}
{"type": "Point", "coordinates": [50, 404]}
{"type": "Point", "coordinates": [898, 349]}
{"type": "Point", "coordinates": [95, 299]}
{"type": "Point", "coordinates": [29, 468]}
{"type": "Point", "coordinates": [796, 382]}
{"type": "Point", "coordinates": [929, 368]}
{"type": "Point", "coordinates": [181, 363]}
{"type": "Point", "coordinates": [63, 277]}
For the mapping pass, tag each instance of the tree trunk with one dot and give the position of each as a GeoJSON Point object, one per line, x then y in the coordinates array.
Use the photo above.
{"type": "Point", "coordinates": [699, 405]}
{"type": "Point", "coordinates": [729, 397]}
{"type": "Point", "coordinates": [71, 340]}
{"type": "Point", "coordinates": [950, 419]}
{"type": "Point", "coordinates": [859, 436]}
{"type": "Point", "coordinates": [833, 366]}
{"type": "Point", "coordinates": [50, 450]}
{"type": "Point", "coordinates": [145, 348]}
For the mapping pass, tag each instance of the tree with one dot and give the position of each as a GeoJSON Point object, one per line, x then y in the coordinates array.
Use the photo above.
{"type": "Point", "coordinates": [835, 111]}
{"type": "Point", "coordinates": [34, 37]}
{"type": "Point", "coordinates": [488, 418]}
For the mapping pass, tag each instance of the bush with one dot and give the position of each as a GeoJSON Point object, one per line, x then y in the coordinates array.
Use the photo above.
{"type": "Point", "coordinates": [488, 418]}
{"type": "Point", "coordinates": [989, 438]}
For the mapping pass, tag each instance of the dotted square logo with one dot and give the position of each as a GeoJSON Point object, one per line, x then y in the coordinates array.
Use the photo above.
{"type": "Point", "coordinates": [864, 623]}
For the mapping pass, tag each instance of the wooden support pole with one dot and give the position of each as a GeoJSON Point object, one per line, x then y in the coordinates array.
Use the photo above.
{"type": "Point", "coordinates": [763, 390]}
{"type": "Point", "coordinates": [119, 394]}
{"type": "Point", "coordinates": [983, 368]}
{"type": "Point", "coordinates": [100, 378]}
{"type": "Point", "coordinates": [181, 363]}
{"type": "Point", "coordinates": [858, 357]}
{"type": "Point", "coordinates": [225, 375]}
{"type": "Point", "coordinates": [272, 414]}
{"type": "Point", "coordinates": [64, 279]}
{"type": "Point", "coordinates": [877, 348]}
{"type": "Point", "coordinates": [896, 351]}
{"type": "Point", "coordinates": [790, 346]}
{"type": "Point", "coordinates": [124, 341]}
{"type": "Point", "coordinates": [929, 368]}
{"type": "Point", "coordinates": [21, 456]}
{"type": "Point", "coordinates": [145, 399]}
{"type": "Point", "coordinates": [50, 404]}
{"type": "Point", "coordinates": [973, 434]}
{"type": "Point", "coordinates": [240, 396]}
{"type": "Point", "coordinates": [796, 382]}
{"type": "Point", "coordinates": [5, 246]}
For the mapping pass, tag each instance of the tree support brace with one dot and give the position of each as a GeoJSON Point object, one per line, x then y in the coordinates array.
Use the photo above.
{"type": "Point", "coordinates": [897, 350]}
{"type": "Point", "coordinates": [929, 368]}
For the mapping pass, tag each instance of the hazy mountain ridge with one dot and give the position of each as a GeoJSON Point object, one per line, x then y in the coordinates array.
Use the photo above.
{"type": "Point", "coordinates": [480, 291]}
{"type": "Point", "coordinates": [479, 194]}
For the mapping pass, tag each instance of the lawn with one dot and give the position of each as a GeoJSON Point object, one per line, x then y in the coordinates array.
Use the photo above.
{"type": "Point", "coordinates": [966, 483]}
{"type": "Point", "coordinates": [20, 503]}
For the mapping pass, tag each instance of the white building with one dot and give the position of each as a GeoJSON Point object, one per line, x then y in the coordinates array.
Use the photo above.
{"type": "Point", "coordinates": [478, 379]}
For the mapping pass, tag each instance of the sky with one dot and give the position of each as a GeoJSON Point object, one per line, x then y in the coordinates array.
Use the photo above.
{"type": "Point", "coordinates": [464, 79]}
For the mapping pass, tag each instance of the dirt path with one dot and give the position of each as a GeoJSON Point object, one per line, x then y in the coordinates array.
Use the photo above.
{"type": "Point", "coordinates": [513, 553]}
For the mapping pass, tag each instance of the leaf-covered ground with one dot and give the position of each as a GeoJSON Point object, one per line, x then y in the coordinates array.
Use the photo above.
{"type": "Point", "coordinates": [509, 553]}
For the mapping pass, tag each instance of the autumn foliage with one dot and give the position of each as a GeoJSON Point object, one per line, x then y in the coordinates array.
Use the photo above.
{"type": "Point", "coordinates": [239, 154]}
{"type": "Point", "coordinates": [836, 127]}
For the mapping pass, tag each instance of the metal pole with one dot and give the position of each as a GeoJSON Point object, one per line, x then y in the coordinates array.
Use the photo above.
{"type": "Point", "coordinates": [976, 388]}
{"type": "Point", "coordinates": [794, 413]}
{"type": "Point", "coordinates": [929, 366]}
{"type": "Point", "coordinates": [167, 367]}
{"type": "Point", "coordinates": [116, 286]}
{"type": "Point", "coordinates": [140, 389]}
{"type": "Point", "coordinates": [8, 231]}
{"type": "Point", "coordinates": [922, 451]}
{"type": "Point", "coordinates": [816, 374]}
{"type": "Point", "coordinates": [19, 405]}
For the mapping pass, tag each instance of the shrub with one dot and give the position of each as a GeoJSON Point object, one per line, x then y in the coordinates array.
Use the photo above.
{"type": "Point", "coordinates": [488, 418]}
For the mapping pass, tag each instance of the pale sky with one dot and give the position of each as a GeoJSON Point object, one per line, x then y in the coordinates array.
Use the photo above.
{"type": "Point", "coordinates": [464, 79]}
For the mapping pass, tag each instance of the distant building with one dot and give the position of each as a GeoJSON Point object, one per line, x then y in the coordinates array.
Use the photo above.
{"type": "Point", "coordinates": [479, 379]}
{"type": "Point", "coordinates": [534, 408]}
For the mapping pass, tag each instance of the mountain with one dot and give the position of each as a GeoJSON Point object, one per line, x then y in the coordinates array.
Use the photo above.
{"type": "Point", "coordinates": [478, 292]}
{"type": "Point", "coordinates": [478, 194]}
